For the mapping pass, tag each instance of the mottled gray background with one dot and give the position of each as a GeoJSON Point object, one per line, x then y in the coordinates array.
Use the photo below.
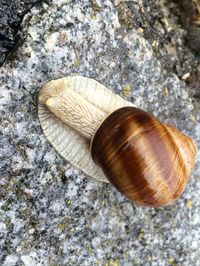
{"type": "Point", "coordinates": [51, 213]}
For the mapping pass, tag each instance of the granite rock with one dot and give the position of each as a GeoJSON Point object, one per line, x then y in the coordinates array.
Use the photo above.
{"type": "Point", "coordinates": [11, 15]}
{"type": "Point", "coordinates": [50, 212]}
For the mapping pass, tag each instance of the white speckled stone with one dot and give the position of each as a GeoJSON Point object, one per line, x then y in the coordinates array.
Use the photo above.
{"type": "Point", "coordinates": [50, 213]}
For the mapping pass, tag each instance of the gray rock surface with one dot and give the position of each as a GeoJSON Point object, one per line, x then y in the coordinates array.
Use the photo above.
{"type": "Point", "coordinates": [51, 213]}
{"type": "Point", "coordinates": [11, 15]}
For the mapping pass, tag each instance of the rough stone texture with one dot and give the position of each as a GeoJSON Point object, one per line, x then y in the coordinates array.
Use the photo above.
{"type": "Point", "coordinates": [50, 213]}
{"type": "Point", "coordinates": [11, 15]}
{"type": "Point", "coordinates": [190, 17]}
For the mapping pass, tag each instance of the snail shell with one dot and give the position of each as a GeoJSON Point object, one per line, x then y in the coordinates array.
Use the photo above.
{"type": "Point", "coordinates": [146, 160]}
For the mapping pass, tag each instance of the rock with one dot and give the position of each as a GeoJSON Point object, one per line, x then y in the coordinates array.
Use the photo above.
{"type": "Point", "coordinates": [190, 17]}
{"type": "Point", "coordinates": [51, 214]}
{"type": "Point", "coordinates": [11, 15]}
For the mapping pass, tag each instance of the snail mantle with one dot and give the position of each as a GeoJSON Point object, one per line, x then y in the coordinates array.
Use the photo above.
{"type": "Point", "coordinates": [111, 140]}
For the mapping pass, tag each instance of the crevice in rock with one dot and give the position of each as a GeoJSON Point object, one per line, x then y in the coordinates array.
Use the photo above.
{"type": "Point", "coordinates": [11, 16]}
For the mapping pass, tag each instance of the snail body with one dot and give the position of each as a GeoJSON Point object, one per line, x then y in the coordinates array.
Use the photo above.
{"type": "Point", "coordinates": [147, 161]}
{"type": "Point", "coordinates": [72, 145]}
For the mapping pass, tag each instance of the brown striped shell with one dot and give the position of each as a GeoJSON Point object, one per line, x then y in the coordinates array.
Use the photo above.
{"type": "Point", "coordinates": [149, 162]}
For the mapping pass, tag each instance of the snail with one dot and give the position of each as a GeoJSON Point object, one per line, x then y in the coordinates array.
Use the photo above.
{"type": "Point", "coordinates": [112, 140]}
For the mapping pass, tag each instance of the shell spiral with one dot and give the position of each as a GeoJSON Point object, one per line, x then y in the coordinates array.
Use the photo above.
{"type": "Point", "coordinates": [149, 162]}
